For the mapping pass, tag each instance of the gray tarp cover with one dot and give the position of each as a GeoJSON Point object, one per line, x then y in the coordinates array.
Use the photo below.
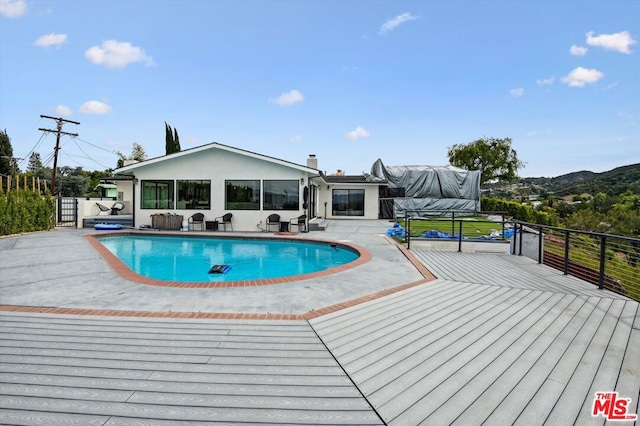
{"type": "Point", "coordinates": [431, 187]}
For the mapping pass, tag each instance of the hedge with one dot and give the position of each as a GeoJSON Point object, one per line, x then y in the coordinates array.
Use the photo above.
{"type": "Point", "coordinates": [26, 211]}
{"type": "Point", "coordinates": [519, 211]}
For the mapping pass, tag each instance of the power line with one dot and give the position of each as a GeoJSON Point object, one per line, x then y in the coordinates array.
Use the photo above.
{"type": "Point", "coordinates": [59, 121]}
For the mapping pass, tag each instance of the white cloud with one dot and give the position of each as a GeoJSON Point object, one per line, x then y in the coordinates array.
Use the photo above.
{"type": "Point", "coordinates": [295, 139]}
{"type": "Point", "coordinates": [398, 20]}
{"type": "Point", "coordinates": [63, 111]}
{"type": "Point", "coordinates": [546, 81]}
{"type": "Point", "coordinates": [578, 50]}
{"type": "Point", "coordinates": [516, 93]}
{"type": "Point", "coordinates": [13, 8]}
{"type": "Point", "coordinates": [532, 133]}
{"type": "Point", "coordinates": [620, 42]}
{"type": "Point", "coordinates": [288, 98]}
{"type": "Point", "coordinates": [117, 54]}
{"type": "Point", "coordinates": [622, 138]}
{"type": "Point", "coordinates": [359, 132]}
{"type": "Point", "coordinates": [95, 107]}
{"type": "Point", "coordinates": [51, 40]}
{"type": "Point", "coordinates": [580, 77]}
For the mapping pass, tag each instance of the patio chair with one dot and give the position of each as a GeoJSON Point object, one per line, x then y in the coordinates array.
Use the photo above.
{"type": "Point", "coordinates": [103, 209]}
{"type": "Point", "coordinates": [300, 222]}
{"type": "Point", "coordinates": [117, 207]}
{"type": "Point", "coordinates": [273, 219]}
{"type": "Point", "coordinates": [225, 220]}
{"type": "Point", "coordinates": [196, 219]}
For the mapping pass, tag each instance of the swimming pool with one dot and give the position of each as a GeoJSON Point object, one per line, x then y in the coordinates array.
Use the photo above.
{"type": "Point", "coordinates": [190, 259]}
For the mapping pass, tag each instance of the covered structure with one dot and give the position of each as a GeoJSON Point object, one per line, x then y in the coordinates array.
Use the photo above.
{"type": "Point", "coordinates": [425, 190]}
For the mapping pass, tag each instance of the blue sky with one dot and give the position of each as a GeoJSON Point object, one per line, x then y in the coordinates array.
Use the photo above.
{"type": "Point", "coordinates": [349, 81]}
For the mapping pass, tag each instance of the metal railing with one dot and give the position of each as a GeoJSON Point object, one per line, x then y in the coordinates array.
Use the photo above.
{"type": "Point", "coordinates": [467, 230]}
{"type": "Point", "coordinates": [610, 261]}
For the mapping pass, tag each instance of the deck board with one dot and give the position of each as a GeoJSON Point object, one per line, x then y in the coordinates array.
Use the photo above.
{"type": "Point", "coordinates": [514, 342]}
{"type": "Point", "coordinates": [95, 371]}
{"type": "Point", "coordinates": [494, 340]}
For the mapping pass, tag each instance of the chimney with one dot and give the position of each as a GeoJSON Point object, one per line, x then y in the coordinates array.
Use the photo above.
{"type": "Point", "coordinates": [312, 161]}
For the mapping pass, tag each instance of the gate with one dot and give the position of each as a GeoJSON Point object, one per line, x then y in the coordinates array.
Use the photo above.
{"type": "Point", "coordinates": [67, 212]}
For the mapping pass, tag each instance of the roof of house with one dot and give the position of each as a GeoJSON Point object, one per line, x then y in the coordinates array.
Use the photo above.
{"type": "Point", "coordinates": [216, 145]}
{"type": "Point", "coordinates": [359, 179]}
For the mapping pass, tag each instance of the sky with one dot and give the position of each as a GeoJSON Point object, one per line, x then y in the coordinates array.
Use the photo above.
{"type": "Point", "coordinates": [349, 81]}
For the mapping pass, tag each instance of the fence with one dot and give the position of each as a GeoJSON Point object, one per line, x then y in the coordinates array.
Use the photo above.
{"type": "Point", "coordinates": [610, 261]}
{"type": "Point", "coordinates": [457, 229]}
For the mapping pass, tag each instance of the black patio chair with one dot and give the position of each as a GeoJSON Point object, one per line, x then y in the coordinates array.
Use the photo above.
{"type": "Point", "coordinates": [300, 222]}
{"type": "Point", "coordinates": [103, 209]}
{"type": "Point", "coordinates": [196, 219]}
{"type": "Point", "coordinates": [225, 220]}
{"type": "Point", "coordinates": [273, 219]}
{"type": "Point", "coordinates": [118, 206]}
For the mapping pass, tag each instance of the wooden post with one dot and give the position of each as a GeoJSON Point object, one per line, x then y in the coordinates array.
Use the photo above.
{"type": "Point", "coordinates": [33, 183]}
{"type": "Point", "coordinates": [25, 183]}
{"type": "Point", "coordinates": [8, 183]}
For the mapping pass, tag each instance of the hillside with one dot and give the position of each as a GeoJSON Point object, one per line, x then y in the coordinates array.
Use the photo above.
{"type": "Point", "coordinates": [613, 182]}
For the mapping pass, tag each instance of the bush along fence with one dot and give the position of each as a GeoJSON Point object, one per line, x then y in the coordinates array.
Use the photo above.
{"type": "Point", "coordinates": [23, 208]}
{"type": "Point", "coordinates": [611, 262]}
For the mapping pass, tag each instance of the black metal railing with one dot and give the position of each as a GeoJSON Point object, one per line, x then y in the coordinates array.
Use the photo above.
{"type": "Point", "coordinates": [610, 261]}
{"type": "Point", "coordinates": [461, 229]}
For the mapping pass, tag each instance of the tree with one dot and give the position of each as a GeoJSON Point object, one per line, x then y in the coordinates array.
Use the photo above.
{"type": "Point", "coordinates": [8, 164]}
{"type": "Point", "coordinates": [172, 141]}
{"type": "Point", "coordinates": [138, 153]}
{"type": "Point", "coordinates": [35, 163]}
{"type": "Point", "coordinates": [495, 158]}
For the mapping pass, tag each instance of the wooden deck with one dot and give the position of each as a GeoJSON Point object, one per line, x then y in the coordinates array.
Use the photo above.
{"type": "Point", "coordinates": [123, 371]}
{"type": "Point", "coordinates": [500, 341]}
{"type": "Point", "coordinates": [495, 340]}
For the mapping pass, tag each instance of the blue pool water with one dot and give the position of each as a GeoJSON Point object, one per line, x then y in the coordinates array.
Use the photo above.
{"type": "Point", "coordinates": [190, 259]}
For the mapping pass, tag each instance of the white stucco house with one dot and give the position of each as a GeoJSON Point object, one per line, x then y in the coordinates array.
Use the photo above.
{"type": "Point", "coordinates": [216, 179]}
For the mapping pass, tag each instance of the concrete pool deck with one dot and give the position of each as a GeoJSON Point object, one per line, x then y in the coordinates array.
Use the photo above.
{"type": "Point", "coordinates": [61, 270]}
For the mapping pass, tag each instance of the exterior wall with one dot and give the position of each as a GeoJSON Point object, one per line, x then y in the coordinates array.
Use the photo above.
{"type": "Point", "coordinates": [218, 166]}
{"type": "Point", "coordinates": [370, 201]}
{"type": "Point", "coordinates": [88, 208]}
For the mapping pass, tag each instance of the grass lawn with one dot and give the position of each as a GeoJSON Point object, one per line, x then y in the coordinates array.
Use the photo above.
{"type": "Point", "coordinates": [472, 226]}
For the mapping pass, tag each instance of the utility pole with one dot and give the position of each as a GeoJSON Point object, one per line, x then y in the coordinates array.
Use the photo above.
{"type": "Point", "coordinates": [58, 132]}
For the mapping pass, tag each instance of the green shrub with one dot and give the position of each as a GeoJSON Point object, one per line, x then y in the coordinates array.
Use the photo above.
{"type": "Point", "coordinates": [26, 211]}
{"type": "Point", "coordinates": [519, 211]}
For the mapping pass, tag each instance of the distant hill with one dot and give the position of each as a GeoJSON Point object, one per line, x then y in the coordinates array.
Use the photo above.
{"type": "Point", "coordinates": [614, 182]}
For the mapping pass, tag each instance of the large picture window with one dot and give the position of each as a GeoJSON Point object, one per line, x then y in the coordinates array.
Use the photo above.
{"type": "Point", "coordinates": [281, 195]}
{"type": "Point", "coordinates": [348, 202]}
{"type": "Point", "coordinates": [242, 195]}
{"type": "Point", "coordinates": [157, 194]}
{"type": "Point", "coordinates": [194, 194]}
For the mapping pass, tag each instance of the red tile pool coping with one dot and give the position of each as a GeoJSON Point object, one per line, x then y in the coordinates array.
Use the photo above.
{"type": "Point", "coordinates": [127, 273]}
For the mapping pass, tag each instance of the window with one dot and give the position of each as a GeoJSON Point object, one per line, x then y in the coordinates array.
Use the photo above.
{"type": "Point", "coordinates": [281, 195]}
{"type": "Point", "coordinates": [194, 194]}
{"type": "Point", "coordinates": [348, 202]}
{"type": "Point", "coordinates": [242, 195]}
{"type": "Point", "coordinates": [157, 194]}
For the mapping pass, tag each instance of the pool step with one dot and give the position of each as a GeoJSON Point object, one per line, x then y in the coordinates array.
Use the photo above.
{"type": "Point", "coordinates": [318, 224]}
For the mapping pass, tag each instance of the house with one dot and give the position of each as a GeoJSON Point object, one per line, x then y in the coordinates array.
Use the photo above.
{"type": "Point", "coordinates": [215, 179]}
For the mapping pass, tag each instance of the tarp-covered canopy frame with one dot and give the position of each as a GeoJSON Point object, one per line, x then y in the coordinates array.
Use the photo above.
{"type": "Point", "coordinates": [431, 190]}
